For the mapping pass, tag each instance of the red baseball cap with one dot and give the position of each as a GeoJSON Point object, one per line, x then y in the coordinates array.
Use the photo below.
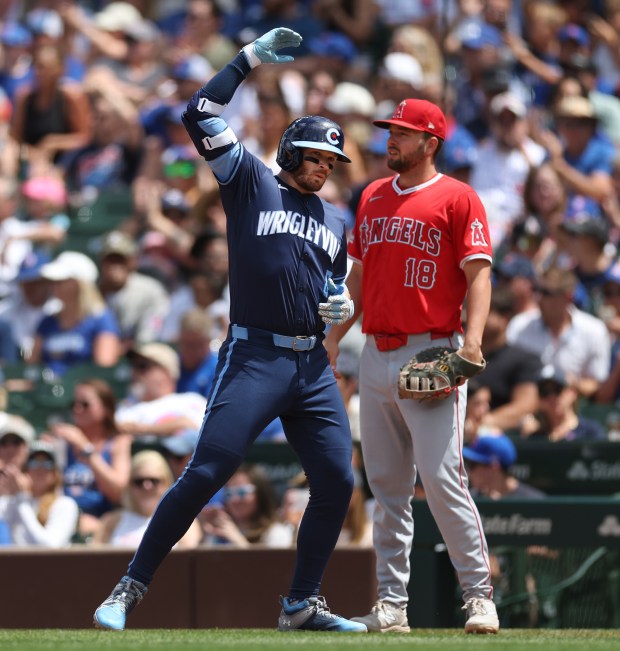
{"type": "Point", "coordinates": [418, 114]}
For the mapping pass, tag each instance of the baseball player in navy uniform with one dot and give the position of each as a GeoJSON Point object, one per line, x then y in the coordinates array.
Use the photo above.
{"type": "Point", "coordinates": [288, 253]}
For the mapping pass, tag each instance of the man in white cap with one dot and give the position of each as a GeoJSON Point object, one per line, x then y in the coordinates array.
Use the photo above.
{"type": "Point", "coordinates": [16, 436]}
{"type": "Point", "coordinates": [503, 163]}
{"type": "Point", "coordinates": [153, 407]}
{"type": "Point", "coordinates": [84, 330]}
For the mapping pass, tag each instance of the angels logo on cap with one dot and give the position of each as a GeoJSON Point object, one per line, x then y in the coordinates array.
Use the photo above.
{"type": "Point", "coordinates": [398, 112]}
{"type": "Point", "coordinates": [418, 114]}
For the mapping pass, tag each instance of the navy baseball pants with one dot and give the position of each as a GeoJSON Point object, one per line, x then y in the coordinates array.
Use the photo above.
{"type": "Point", "coordinates": [255, 382]}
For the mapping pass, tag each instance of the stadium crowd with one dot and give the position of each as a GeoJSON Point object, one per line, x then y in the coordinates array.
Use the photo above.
{"type": "Point", "coordinates": [113, 256]}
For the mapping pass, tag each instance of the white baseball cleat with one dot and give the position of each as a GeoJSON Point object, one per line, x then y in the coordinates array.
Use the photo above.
{"type": "Point", "coordinates": [481, 616]}
{"type": "Point", "coordinates": [385, 617]}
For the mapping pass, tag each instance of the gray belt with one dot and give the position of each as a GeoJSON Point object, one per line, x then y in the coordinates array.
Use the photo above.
{"type": "Point", "coordinates": [299, 343]}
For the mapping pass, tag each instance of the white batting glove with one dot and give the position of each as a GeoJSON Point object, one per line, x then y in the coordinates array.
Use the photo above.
{"type": "Point", "coordinates": [338, 308]}
{"type": "Point", "coordinates": [263, 49]}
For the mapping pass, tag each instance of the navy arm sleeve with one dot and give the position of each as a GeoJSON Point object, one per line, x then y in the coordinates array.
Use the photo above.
{"type": "Point", "coordinates": [210, 134]}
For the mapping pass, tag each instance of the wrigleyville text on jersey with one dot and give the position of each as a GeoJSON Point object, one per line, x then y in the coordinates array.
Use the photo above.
{"type": "Point", "coordinates": [419, 272]}
{"type": "Point", "coordinates": [271, 222]}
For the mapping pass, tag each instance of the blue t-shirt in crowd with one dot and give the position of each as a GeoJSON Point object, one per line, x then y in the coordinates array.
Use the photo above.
{"type": "Point", "coordinates": [598, 156]}
{"type": "Point", "coordinates": [79, 483]}
{"type": "Point", "coordinates": [585, 430]}
{"type": "Point", "coordinates": [65, 348]}
{"type": "Point", "coordinates": [200, 379]}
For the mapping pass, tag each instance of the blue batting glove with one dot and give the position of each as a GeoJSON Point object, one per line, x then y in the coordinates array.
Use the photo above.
{"type": "Point", "coordinates": [264, 48]}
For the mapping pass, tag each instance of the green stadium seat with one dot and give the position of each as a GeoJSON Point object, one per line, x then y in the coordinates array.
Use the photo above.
{"type": "Point", "coordinates": [21, 376]}
{"type": "Point", "coordinates": [118, 376]}
{"type": "Point", "coordinates": [608, 415]}
{"type": "Point", "coordinates": [108, 211]}
{"type": "Point", "coordinates": [89, 245]}
{"type": "Point", "coordinates": [37, 411]}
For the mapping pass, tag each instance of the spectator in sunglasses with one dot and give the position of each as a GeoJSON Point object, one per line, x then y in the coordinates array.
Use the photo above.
{"type": "Point", "coordinates": [248, 514]}
{"type": "Point", "coordinates": [560, 334]}
{"type": "Point", "coordinates": [16, 435]}
{"type": "Point", "coordinates": [557, 418]}
{"type": "Point", "coordinates": [37, 513]}
{"type": "Point", "coordinates": [98, 455]}
{"type": "Point", "coordinates": [154, 407]}
{"type": "Point", "coordinates": [150, 478]}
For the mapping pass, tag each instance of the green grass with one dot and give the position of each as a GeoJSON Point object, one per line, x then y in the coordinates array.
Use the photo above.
{"type": "Point", "coordinates": [270, 640]}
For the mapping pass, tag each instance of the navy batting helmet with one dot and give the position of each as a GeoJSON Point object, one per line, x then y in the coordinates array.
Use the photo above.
{"type": "Point", "coordinates": [311, 131]}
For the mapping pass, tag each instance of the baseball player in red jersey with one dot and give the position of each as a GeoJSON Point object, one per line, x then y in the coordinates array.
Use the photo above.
{"type": "Point", "coordinates": [420, 246]}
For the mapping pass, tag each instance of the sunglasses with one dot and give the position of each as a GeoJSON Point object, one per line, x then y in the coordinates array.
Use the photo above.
{"type": "Point", "coordinates": [544, 291]}
{"type": "Point", "coordinates": [142, 365]}
{"type": "Point", "coordinates": [11, 439]}
{"type": "Point", "coordinates": [548, 390]}
{"type": "Point", "coordinates": [82, 404]}
{"type": "Point", "coordinates": [40, 465]}
{"type": "Point", "coordinates": [182, 169]}
{"type": "Point", "coordinates": [144, 482]}
{"type": "Point", "coordinates": [239, 491]}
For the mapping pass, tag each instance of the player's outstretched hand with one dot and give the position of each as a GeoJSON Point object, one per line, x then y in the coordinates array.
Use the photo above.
{"type": "Point", "coordinates": [339, 308]}
{"type": "Point", "coordinates": [264, 49]}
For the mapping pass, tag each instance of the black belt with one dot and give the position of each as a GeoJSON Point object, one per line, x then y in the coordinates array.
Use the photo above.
{"type": "Point", "coordinates": [299, 343]}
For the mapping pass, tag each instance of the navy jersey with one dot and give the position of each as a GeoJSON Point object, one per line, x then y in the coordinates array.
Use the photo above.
{"type": "Point", "coordinates": [283, 245]}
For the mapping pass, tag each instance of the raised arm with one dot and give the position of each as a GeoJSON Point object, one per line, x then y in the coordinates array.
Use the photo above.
{"type": "Point", "coordinates": [212, 137]}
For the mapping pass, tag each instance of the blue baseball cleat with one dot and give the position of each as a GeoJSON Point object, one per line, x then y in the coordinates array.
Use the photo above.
{"type": "Point", "coordinates": [114, 610]}
{"type": "Point", "coordinates": [312, 614]}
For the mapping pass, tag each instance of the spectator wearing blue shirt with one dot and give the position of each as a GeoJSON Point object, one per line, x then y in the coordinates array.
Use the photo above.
{"type": "Point", "coordinates": [16, 69]}
{"type": "Point", "coordinates": [98, 456]}
{"type": "Point", "coordinates": [538, 66]}
{"type": "Point", "coordinates": [581, 155]}
{"type": "Point", "coordinates": [84, 330]}
{"type": "Point", "coordinates": [197, 359]}
{"type": "Point", "coordinates": [481, 46]}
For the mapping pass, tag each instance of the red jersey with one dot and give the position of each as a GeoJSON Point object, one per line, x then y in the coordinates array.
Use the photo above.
{"type": "Point", "coordinates": [413, 245]}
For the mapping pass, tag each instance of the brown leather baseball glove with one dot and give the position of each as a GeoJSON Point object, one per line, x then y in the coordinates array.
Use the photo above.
{"type": "Point", "coordinates": [434, 373]}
